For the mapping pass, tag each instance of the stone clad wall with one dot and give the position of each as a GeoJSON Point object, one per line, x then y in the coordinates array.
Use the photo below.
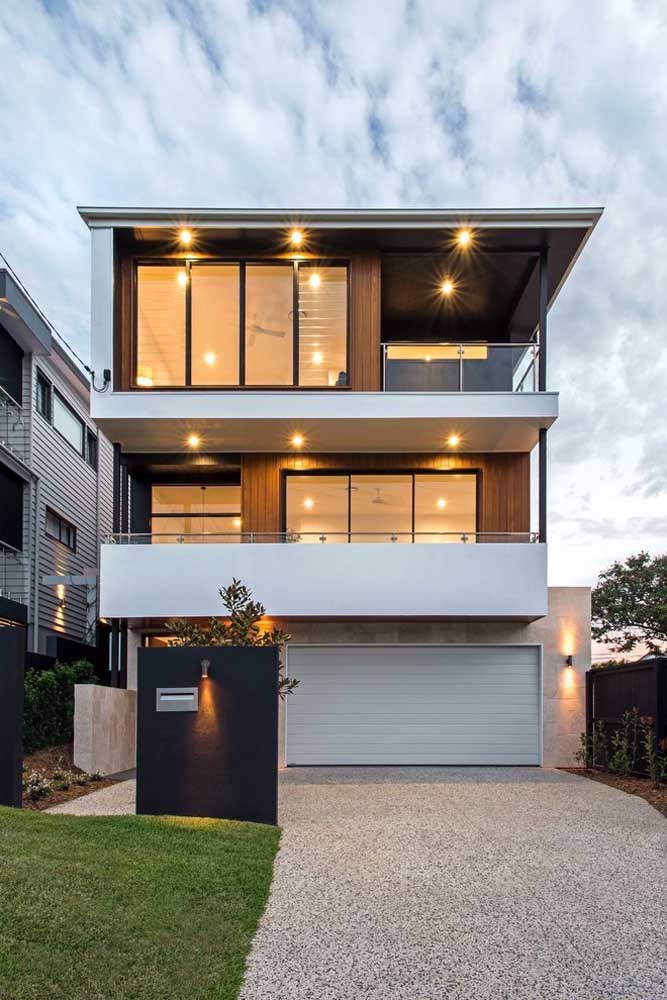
{"type": "Point", "coordinates": [104, 728]}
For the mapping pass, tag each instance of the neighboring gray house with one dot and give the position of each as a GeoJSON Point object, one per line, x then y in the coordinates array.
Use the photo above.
{"type": "Point", "coordinates": [55, 479]}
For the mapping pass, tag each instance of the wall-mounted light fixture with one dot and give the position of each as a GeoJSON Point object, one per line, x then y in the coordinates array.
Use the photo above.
{"type": "Point", "coordinates": [569, 660]}
{"type": "Point", "coordinates": [205, 665]}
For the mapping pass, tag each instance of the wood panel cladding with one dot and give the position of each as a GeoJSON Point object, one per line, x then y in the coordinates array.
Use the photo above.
{"type": "Point", "coordinates": [364, 293]}
{"type": "Point", "coordinates": [504, 486]}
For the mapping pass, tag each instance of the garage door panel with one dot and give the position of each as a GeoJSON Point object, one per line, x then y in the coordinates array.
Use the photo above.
{"type": "Point", "coordinates": [406, 704]}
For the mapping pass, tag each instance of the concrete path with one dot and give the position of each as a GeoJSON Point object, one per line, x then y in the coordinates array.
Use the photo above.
{"type": "Point", "coordinates": [115, 800]}
{"type": "Point", "coordinates": [462, 884]}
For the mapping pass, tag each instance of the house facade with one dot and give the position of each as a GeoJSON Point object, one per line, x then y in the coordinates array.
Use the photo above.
{"type": "Point", "coordinates": [349, 411]}
{"type": "Point", "coordinates": [55, 480]}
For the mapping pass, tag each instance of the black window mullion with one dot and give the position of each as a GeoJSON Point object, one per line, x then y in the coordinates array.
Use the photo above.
{"type": "Point", "coordinates": [242, 323]}
{"type": "Point", "coordinates": [295, 324]}
{"type": "Point", "coordinates": [413, 508]}
{"type": "Point", "coordinates": [349, 507]}
{"type": "Point", "coordinates": [188, 324]}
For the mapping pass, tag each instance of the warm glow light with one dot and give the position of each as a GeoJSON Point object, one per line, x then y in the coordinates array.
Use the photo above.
{"type": "Point", "coordinates": [193, 440]}
{"type": "Point", "coordinates": [447, 287]}
{"type": "Point", "coordinates": [453, 440]}
{"type": "Point", "coordinates": [209, 358]}
{"type": "Point", "coordinates": [569, 678]}
{"type": "Point", "coordinates": [568, 641]}
{"type": "Point", "coordinates": [314, 281]}
{"type": "Point", "coordinates": [185, 236]}
{"type": "Point", "coordinates": [237, 522]}
{"type": "Point", "coordinates": [427, 358]}
{"type": "Point", "coordinates": [182, 278]}
{"type": "Point", "coordinates": [296, 237]}
{"type": "Point", "coordinates": [297, 440]}
{"type": "Point", "coordinates": [441, 504]}
{"type": "Point", "coordinates": [317, 358]}
{"type": "Point", "coordinates": [308, 503]}
{"type": "Point", "coordinates": [464, 238]}
{"type": "Point", "coordinates": [145, 381]}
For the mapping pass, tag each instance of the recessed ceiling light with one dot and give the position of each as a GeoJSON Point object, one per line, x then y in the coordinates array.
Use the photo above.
{"type": "Point", "coordinates": [453, 440]}
{"type": "Point", "coordinates": [308, 503]}
{"type": "Point", "coordinates": [209, 358]}
{"type": "Point", "coordinates": [182, 278]}
{"type": "Point", "coordinates": [297, 440]}
{"type": "Point", "coordinates": [318, 357]}
{"type": "Point", "coordinates": [296, 238]}
{"type": "Point", "coordinates": [447, 287]}
{"type": "Point", "coordinates": [314, 281]}
{"type": "Point", "coordinates": [237, 522]}
{"type": "Point", "coordinates": [193, 440]}
{"type": "Point", "coordinates": [464, 238]}
{"type": "Point", "coordinates": [441, 503]}
{"type": "Point", "coordinates": [185, 236]}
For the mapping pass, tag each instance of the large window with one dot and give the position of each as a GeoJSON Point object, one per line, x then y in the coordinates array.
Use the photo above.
{"type": "Point", "coordinates": [184, 513]}
{"type": "Point", "coordinates": [60, 529]}
{"type": "Point", "coordinates": [241, 323]}
{"type": "Point", "coordinates": [381, 507]}
{"type": "Point", "coordinates": [57, 411]}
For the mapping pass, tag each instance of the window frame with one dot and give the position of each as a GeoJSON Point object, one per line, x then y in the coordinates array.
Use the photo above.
{"type": "Point", "coordinates": [48, 386]}
{"type": "Point", "coordinates": [89, 456]}
{"type": "Point", "coordinates": [366, 471]}
{"type": "Point", "coordinates": [186, 264]}
{"type": "Point", "coordinates": [153, 517]}
{"type": "Point", "coordinates": [62, 522]}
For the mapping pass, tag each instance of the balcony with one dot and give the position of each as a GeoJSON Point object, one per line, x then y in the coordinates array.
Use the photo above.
{"type": "Point", "coordinates": [13, 427]}
{"type": "Point", "coordinates": [447, 367]}
{"type": "Point", "coordinates": [12, 574]}
{"type": "Point", "coordinates": [476, 576]}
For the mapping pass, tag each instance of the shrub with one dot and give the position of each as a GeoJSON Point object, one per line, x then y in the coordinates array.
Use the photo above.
{"type": "Point", "coordinates": [37, 786]}
{"type": "Point", "coordinates": [593, 749]}
{"type": "Point", "coordinates": [655, 757]}
{"type": "Point", "coordinates": [48, 715]}
{"type": "Point", "coordinates": [625, 744]}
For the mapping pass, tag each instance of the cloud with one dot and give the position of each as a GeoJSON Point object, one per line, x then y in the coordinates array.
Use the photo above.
{"type": "Point", "coordinates": [386, 103]}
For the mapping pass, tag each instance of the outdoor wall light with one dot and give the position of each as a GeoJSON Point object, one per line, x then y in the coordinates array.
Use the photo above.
{"type": "Point", "coordinates": [569, 660]}
{"type": "Point", "coordinates": [205, 665]}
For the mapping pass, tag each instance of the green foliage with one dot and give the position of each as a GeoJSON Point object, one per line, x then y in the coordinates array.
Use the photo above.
{"type": "Point", "coordinates": [48, 715]}
{"type": "Point", "coordinates": [37, 786]}
{"type": "Point", "coordinates": [241, 627]}
{"type": "Point", "coordinates": [655, 751]}
{"type": "Point", "coordinates": [593, 748]}
{"type": "Point", "coordinates": [629, 604]}
{"type": "Point", "coordinates": [625, 743]}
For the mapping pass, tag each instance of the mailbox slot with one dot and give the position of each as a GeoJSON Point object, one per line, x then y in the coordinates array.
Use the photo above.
{"type": "Point", "coordinates": [177, 699]}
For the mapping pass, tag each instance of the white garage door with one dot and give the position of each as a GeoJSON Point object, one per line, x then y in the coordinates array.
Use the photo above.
{"type": "Point", "coordinates": [414, 705]}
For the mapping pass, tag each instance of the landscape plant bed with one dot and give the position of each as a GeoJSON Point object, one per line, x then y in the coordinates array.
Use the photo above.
{"type": "Point", "coordinates": [49, 762]}
{"type": "Point", "coordinates": [113, 907]}
{"type": "Point", "coordinates": [644, 787]}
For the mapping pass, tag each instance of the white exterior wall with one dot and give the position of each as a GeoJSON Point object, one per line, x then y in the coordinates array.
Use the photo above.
{"type": "Point", "coordinates": [507, 580]}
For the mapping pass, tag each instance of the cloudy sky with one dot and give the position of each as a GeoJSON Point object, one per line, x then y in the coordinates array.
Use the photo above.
{"type": "Point", "coordinates": [380, 103]}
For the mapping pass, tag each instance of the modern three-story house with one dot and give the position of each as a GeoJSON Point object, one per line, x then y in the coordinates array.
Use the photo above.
{"type": "Point", "coordinates": [349, 411]}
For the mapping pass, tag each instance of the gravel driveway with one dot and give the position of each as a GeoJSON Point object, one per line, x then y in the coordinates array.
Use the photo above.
{"type": "Point", "coordinates": [470, 883]}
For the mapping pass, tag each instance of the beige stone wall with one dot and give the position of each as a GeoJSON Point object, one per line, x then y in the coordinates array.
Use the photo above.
{"type": "Point", "coordinates": [104, 728]}
{"type": "Point", "coordinates": [566, 629]}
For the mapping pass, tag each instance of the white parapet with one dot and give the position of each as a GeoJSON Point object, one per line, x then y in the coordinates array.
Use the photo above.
{"type": "Point", "coordinates": [483, 581]}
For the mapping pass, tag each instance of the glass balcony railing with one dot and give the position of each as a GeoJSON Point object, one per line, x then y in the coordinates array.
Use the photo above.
{"type": "Point", "coordinates": [323, 537]}
{"type": "Point", "coordinates": [12, 574]}
{"type": "Point", "coordinates": [13, 426]}
{"type": "Point", "coordinates": [445, 367]}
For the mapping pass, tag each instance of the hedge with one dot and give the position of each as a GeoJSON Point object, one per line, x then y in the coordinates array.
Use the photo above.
{"type": "Point", "coordinates": [48, 715]}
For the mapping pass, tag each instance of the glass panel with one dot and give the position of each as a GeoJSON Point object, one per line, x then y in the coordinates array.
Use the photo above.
{"type": "Point", "coordinates": [69, 425]}
{"type": "Point", "coordinates": [381, 508]}
{"type": "Point", "coordinates": [445, 503]}
{"type": "Point", "coordinates": [193, 529]}
{"type": "Point", "coordinates": [196, 499]}
{"type": "Point", "coordinates": [488, 369]}
{"type": "Point", "coordinates": [421, 368]}
{"type": "Point", "coordinates": [322, 325]}
{"type": "Point", "coordinates": [215, 324]}
{"type": "Point", "coordinates": [317, 508]}
{"type": "Point", "coordinates": [268, 325]}
{"type": "Point", "coordinates": [160, 326]}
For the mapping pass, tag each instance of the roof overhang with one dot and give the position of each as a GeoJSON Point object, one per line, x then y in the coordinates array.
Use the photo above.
{"type": "Point", "coordinates": [21, 319]}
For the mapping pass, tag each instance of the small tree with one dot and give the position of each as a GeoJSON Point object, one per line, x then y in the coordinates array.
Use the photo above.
{"type": "Point", "coordinates": [630, 604]}
{"type": "Point", "coordinates": [241, 627]}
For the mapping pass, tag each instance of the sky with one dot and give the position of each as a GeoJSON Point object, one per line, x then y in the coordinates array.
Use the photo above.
{"type": "Point", "coordinates": [378, 103]}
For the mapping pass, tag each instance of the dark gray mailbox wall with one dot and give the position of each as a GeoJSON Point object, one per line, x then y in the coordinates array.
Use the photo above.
{"type": "Point", "coordinates": [220, 760]}
{"type": "Point", "coordinates": [12, 659]}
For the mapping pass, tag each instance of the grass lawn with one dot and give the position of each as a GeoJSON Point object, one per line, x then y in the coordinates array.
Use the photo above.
{"type": "Point", "coordinates": [128, 907]}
